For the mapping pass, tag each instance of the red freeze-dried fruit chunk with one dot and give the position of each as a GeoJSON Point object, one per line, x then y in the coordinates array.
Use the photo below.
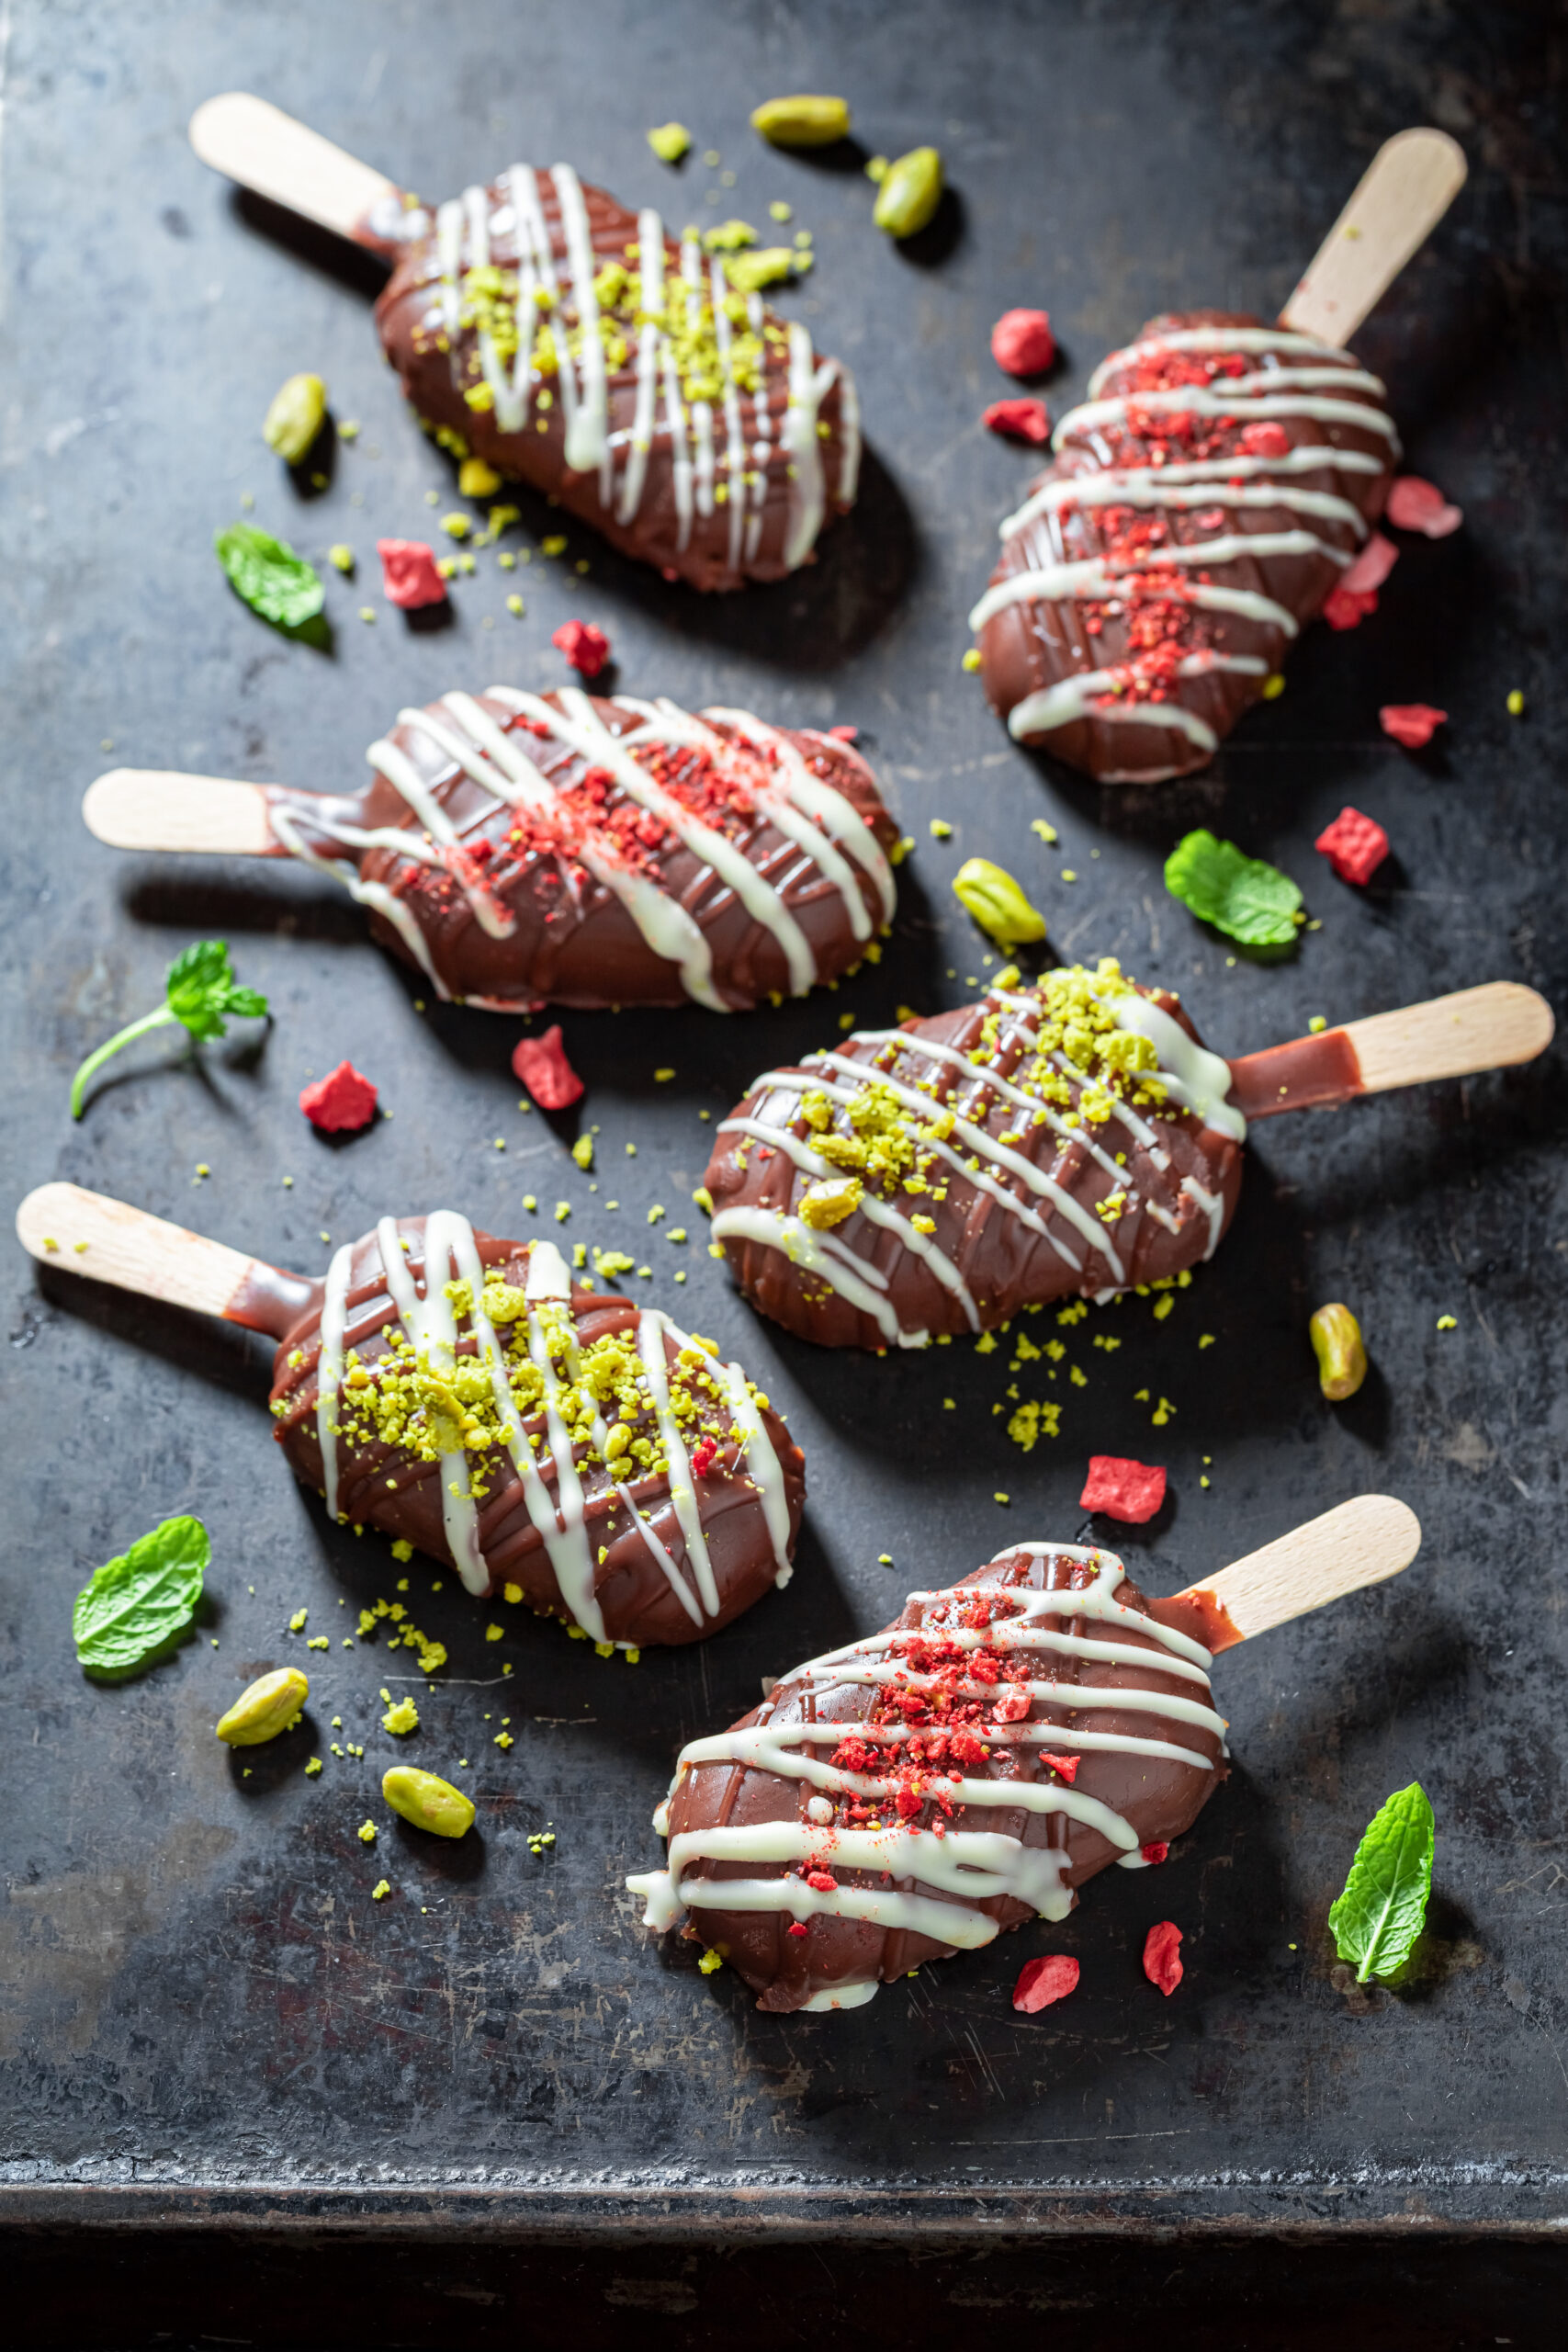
{"type": "Point", "coordinates": [340, 1103]}
{"type": "Point", "coordinates": [1418, 505]}
{"type": "Point", "coordinates": [408, 576]}
{"type": "Point", "coordinates": [1067, 1765]}
{"type": "Point", "coordinates": [844, 734]}
{"type": "Point", "coordinates": [1018, 420]}
{"type": "Point", "coordinates": [542, 1065]}
{"type": "Point", "coordinates": [1161, 1962]}
{"type": "Point", "coordinates": [1043, 1981]}
{"type": "Point", "coordinates": [1344, 609]}
{"type": "Point", "coordinates": [1411, 723]}
{"type": "Point", "coordinates": [1354, 846]}
{"type": "Point", "coordinates": [1264, 440]}
{"type": "Point", "coordinates": [1023, 343]}
{"type": "Point", "coordinates": [1132, 1491]}
{"type": "Point", "coordinates": [586, 648]}
{"type": "Point", "coordinates": [1370, 568]}
{"type": "Point", "coordinates": [1156, 1850]}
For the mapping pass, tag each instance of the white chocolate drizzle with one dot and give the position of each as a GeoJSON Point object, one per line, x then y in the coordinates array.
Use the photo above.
{"type": "Point", "coordinates": [468, 234]}
{"type": "Point", "coordinates": [1193, 1077]}
{"type": "Point", "coordinates": [429, 1319]}
{"type": "Point", "coordinates": [970, 1866]}
{"type": "Point", "coordinates": [820, 822]}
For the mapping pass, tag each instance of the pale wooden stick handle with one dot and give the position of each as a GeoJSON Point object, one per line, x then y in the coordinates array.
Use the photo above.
{"type": "Point", "coordinates": [1451, 1036]}
{"type": "Point", "coordinates": [1355, 1544]}
{"type": "Point", "coordinates": [266, 150]}
{"type": "Point", "coordinates": [1404, 193]}
{"type": "Point", "coordinates": [62, 1225]}
{"type": "Point", "coordinates": [158, 809]}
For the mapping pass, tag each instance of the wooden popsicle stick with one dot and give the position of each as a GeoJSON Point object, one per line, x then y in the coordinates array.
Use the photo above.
{"type": "Point", "coordinates": [1357, 1543]}
{"type": "Point", "coordinates": [1491, 1027]}
{"type": "Point", "coordinates": [264, 149]}
{"type": "Point", "coordinates": [1401, 196]}
{"type": "Point", "coordinates": [157, 809]}
{"type": "Point", "coordinates": [63, 1224]}
{"type": "Point", "coordinates": [1485, 1028]}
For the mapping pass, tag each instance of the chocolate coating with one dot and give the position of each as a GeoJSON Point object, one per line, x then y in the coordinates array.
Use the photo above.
{"type": "Point", "coordinates": [1036, 644]}
{"type": "Point", "coordinates": [571, 939]}
{"type": "Point", "coordinates": [1005, 1262]}
{"type": "Point", "coordinates": [391, 1488]}
{"type": "Point", "coordinates": [1157, 1796]}
{"type": "Point", "coordinates": [805, 476]}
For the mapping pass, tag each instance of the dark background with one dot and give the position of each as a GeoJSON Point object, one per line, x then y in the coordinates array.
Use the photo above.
{"type": "Point", "coordinates": [298, 2114]}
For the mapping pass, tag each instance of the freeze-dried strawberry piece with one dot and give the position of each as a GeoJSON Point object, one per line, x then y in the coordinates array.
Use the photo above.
{"type": "Point", "coordinates": [409, 577]}
{"type": "Point", "coordinates": [1018, 420]}
{"type": "Point", "coordinates": [1344, 609]}
{"type": "Point", "coordinates": [1264, 440]}
{"type": "Point", "coordinates": [1023, 343]}
{"type": "Point", "coordinates": [342, 1102]}
{"type": "Point", "coordinates": [1132, 1491]}
{"type": "Point", "coordinates": [1162, 1960]}
{"type": "Point", "coordinates": [542, 1065]}
{"type": "Point", "coordinates": [586, 648]}
{"type": "Point", "coordinates": [1041, 1982]}
{"type": "Point", "coordinates": [1411, 723]}
{"type": "Point", "coordinates": [1372, 567]}
{"type": "Point", "coordinates": [1418, 505]}
{"type": "Point", "coordinates": [1354, 846]}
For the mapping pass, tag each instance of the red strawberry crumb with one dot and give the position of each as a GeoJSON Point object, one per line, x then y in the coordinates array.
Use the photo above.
{"type": "Point", "coordinates": [844, 734]}
{"type": "Point", "coordinates": [542, 1065]}
{"type": "Point", "coordinates": [1067, 1766]}
{"type": "Point", "coordinates": [823, 1881]}
{"type": "Point", "coordinates": [1023, 343]}
{"type": "Point", "coordinates": [1344, 609]}
{"type": "Point", "coordinates": [1411, 723]}
{"type": "Point", "coordinates": [1354, 846]}
{"type": "Point", "coordinates": [1264, 439]}
{"type": "Point", "coordinates": [1418, 505]}
{"type": "Point", "coordinates": [797, 1927]}
{"type": "Point", "coordinates": [1156, 1850]}
{"type": "Point", "coordinates": [409, 577]}
{"type": "Point", "coordinates": [1131, 1491]}
{"type": "Point", "coordinates": [1372, 567]}
{"type": "Point", "coordinates": [587, 649]}
{"type": "Point", "coordinates": [704, 1455]}
{"type": "Point", "coordinates": [1018, 420]}
{"type": "Point", "coordinates": [341, 1103]}
{"type": "Point", "coordinates": [1041, 1982]}
{"type": "Point", "coordinates": [1161, 1962]}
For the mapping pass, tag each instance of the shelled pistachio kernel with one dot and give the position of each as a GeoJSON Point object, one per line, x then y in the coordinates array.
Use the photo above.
{"type": "Point", "coordinates": [802, 121]}
{"type": "Point", "coordinates": [910, 193]}
{"type": "Point", "coordinates": [428, 1802]}
{"type": "Point", "coordinates": [1340, 1350]}
{"type": "Point", "coordinates": [270, 1705]}
{"type": "Point", "coordinates": [298, 412]}
{"type": "Point", "coordinates": [996, 902]}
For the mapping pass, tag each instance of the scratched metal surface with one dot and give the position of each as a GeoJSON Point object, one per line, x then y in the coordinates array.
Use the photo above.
{"type": "Point", "coordinates": [197, 1992]}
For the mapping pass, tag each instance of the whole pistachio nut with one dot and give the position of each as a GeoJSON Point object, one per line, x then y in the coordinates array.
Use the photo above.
{"type": "Point", "coordinates": [429, 1803]}
{"type": "Point", "coordinates": [271, 1705]}
{"type": "Point", "coordinates": [997, 903]}
{"type": "Point", "coordinates": [297, 413]}
{"type": "Point", "coordinates": [910, 193]}
{"type": "Point", "coordinates": [801, 121]}
{"type": "Point", "coordinates": [1340, 1350]}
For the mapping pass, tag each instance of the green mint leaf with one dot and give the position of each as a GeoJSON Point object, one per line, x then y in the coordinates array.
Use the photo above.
{"type": "Point", "coordinates": [1239, 895]}
{"type": "Point", "coordinates": [275, 582]}
{"type": "Point", "coordinates": [1376, 1920]}
{"type": "Point", "coordinates": [202, 990]}
{"type": "Point", "coordinates": [136, 1607]}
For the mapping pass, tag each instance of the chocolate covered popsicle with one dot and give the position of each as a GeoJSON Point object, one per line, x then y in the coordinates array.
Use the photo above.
{"type": "Point", "coordinates": [575, 344]}
{"type": "Point", "coordinates": [909, 1796]}
{"type": "Point", "coordinates": [519, 848]}
{"type": "Point", "coordinates": [1218, 480]}
{"type": "Point", "coordinates": [1071, 1135]}
{"type": "Point", "coordinates": [465, 1395]}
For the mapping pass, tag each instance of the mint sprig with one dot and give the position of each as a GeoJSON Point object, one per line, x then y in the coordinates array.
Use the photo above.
{"type": "Point", "coordinates": [1241, 896]}
{"type": "Point", "coordinates": [200, 994]}
{"type": "Point", "coordinates": [1376, 1920]}
{"type": "Point", "coordinates": [275, 582]}
{"type": "Point", "coordinates": [136, 1607]}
